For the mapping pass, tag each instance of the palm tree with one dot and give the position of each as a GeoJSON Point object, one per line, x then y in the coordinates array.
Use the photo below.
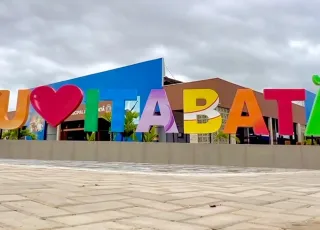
{"type": "Point", "coordinates": [13, 134]}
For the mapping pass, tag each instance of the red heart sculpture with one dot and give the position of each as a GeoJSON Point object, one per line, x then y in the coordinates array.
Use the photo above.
{"type": "Point", "coordinates": [56, 106]}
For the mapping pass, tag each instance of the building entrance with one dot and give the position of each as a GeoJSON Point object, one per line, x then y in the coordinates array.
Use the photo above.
{"type": "Point", "coordinates": [74, 130]}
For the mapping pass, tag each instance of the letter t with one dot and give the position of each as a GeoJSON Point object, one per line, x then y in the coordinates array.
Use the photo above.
{"type": "Point", "coordinates": [285, 97]}
{"type": "Point", "coordinates": [118, 98]}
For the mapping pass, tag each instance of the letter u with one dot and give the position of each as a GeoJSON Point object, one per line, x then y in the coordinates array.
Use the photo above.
{"type": "Point", "coordinates": [22, 109]}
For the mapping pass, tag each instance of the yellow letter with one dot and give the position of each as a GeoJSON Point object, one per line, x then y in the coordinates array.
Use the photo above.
{"type": "Point", "coordinates": [212, 119]}
{"type": "Point", "coordinates": [22, 110]}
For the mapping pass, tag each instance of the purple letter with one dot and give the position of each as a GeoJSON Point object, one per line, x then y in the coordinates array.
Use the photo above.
{"type": "Point", "coordinates": [148, 117]}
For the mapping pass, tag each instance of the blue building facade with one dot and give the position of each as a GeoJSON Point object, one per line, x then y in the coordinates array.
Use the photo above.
{"type": "Point", "coordinates": [142, 77]}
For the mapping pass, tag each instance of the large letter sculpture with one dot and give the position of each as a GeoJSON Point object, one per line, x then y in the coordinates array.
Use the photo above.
{"type": "Point", "coordinates": [192, 111]}
{"type": "Point", "coordinates": [255, 119]}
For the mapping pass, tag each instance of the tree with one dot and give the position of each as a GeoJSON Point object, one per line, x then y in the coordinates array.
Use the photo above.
{"type": "Point", "coordinates": [91, 137]}
{"type": "Point", "coordinates": [151, 135]}
{"type": "Point", "coordinates": [223, 136]}
{"type": "Point", "coordinates": [129, 125]}
{"type": "Point", "coordinates": [13, 134]}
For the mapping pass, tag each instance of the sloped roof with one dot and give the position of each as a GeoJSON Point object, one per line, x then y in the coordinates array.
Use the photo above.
{"type": "Point", "coordinates": [226, 91]}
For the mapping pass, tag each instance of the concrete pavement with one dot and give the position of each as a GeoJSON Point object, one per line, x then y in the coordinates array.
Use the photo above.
{"type": "Point", "coordinates": [47, 197]}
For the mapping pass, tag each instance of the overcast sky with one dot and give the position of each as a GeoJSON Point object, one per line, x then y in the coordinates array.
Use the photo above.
{"type": "Point", "coordinates": [255, 43]}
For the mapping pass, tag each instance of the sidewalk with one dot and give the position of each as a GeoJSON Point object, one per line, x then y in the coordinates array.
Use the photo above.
{"type": "Point", "coordinates": [70, 199]}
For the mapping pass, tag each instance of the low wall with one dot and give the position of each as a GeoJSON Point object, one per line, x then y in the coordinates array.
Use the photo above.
{"type": "Point", "coordinates": [275, 156]}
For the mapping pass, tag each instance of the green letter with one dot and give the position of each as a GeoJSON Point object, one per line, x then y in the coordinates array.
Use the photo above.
{"type": "Point", "coordinates": [313, 128]}
{"type": "Point", "coordinates": [92, 106]}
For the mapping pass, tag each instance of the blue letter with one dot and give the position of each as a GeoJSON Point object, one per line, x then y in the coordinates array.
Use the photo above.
{"type": "Point", "coordinates": [118, 98]}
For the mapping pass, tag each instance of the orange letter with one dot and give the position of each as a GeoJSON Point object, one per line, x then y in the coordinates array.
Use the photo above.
{"type": "Point", "coordinates": [255, 118]}
{"type": "Point", "coordinates": [22, 110]}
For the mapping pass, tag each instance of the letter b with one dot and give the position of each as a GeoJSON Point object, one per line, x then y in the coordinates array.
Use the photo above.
{"type": "Point", "coordinates": [210, 120]}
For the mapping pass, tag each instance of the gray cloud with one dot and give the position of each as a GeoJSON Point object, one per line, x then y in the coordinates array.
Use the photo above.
{"type": "Point", "coordinates": [250, 42]}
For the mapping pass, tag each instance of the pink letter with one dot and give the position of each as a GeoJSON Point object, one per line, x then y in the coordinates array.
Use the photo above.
{"type": "Point", "coordinates": [285, 97]}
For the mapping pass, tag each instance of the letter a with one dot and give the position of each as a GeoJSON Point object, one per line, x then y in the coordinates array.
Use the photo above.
{"type": "Point", "coordinates": [255, 118]}
{"type": "Point", "coordinates": [192, 111]}
{"type": "Point", "coordinates": [22, 110]}
{"type": "Point", "coordinates": [148, 118]}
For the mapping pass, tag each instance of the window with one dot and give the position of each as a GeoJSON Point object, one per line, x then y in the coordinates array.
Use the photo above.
{"type": "Point", "coordinates": [203, 138]}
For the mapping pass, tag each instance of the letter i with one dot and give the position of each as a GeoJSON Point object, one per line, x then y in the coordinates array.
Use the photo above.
{"type": "Point", "coordinates": [313, 127]}
{"type": "Point", "coordinates": [92, 113]}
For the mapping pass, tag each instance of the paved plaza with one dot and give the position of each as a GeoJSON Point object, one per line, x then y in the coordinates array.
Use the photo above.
{"type": "Point", "coordinates": [91, 195]}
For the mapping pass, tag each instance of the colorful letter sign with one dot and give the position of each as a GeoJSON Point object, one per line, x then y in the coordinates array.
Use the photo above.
{"type": "Point", "coordinates": [118, 98]}
{"type": "Point", "coordinates": [55, 106]}
{"type": "Point", "coordinates": [313, 127]}
{"type": "Point", "coordinates": [255, 119]}
{"type": "Point", "coordinates": [22, 109]}
{"type": "Point", "coordinates": [192, 111]}
{"type": "Point", "coordinates": [165, 119]}
{"type": "Point", "coordinates": [285, 97]}
{"type": "Point", "coordinates": [92, 114]}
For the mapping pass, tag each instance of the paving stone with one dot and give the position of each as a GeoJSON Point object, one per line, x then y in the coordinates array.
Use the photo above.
{"type": "Point", "coordinates": [309, 190]}
{"type": "Point", "coordinates": [252, 207]}
{"type": "Point", "coordinates": [36, 208]}
{"type": "Point", "coordinates": [288, 205]}
{"type": "Point", "coordinates": [139, 210]}
{"type": "Point", "coordinates": [103, 192]}
{"type": "Point", "coordinates": [100, 226]}
{"type": "Point", "coordinates": [310, 225]}
{"type": "Point", "coordinates": [172, 216]}
{"type": "Point", "coordinates": [153, 204]}
{"type": "Point", "coordinates": [273, 219]}
{"type": "Point", "coordinates": [55, 191]}
{"type": "Point", "coordinates": [95, 207]}
{"type": "Point", "coordinates": [207, 210]}
{"type": "Point", "coordinates": [275, 222]}
{"type": "Point", "coordinates": [91, 217]}
{"type": "Point", "coordinates": [309, 211]}
{"type": "Point", "coordinates": [19, 220]}
{"type": "Point", "coordinates": [2, 208]}
{"type": "Point", "coordinates": [317, 195]}
{"type": "Point", "coordinates": [271, 198]}
{"type": "Point", "coordinates": [93, 199]}
{"type": "Point", "coordinates": [252, 193]}
{"type": "Point", "coordinates": [191, 194]}
{"type": "Point", "coordinates": [220, 220]}
{"type": "Point", "coordinates": [55, 200]}
{"type": "Point", "coordinates": [4, 198]}
{"type": "Point", "coordinates": [160, 224]}
{"type": "Point", "coordinates": [270, 215]}
{"type": "Point", "coordinates": [149, 199]}
{"type": "Point", "coordinates": [312, 202]}
{"type": "Point", "coordinates": [237, 199]}
{"type": "Point", "coordinates": [195, 201]}
{"type": "Point", "coordinates": [150, 196]}
{"type": "Point", "coordinates": [248, 226]}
